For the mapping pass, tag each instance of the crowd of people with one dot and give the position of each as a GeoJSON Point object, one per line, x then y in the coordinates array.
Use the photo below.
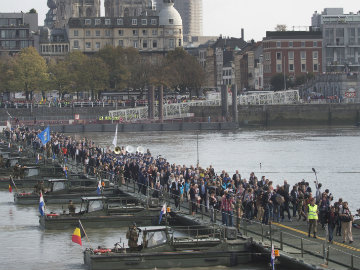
{"type": "Point", "coordinates": [251, 198]}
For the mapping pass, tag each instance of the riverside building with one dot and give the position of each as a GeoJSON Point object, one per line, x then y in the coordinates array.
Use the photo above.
{"type": "Point", "coordinates": [18, 31]}
{"type": "Point", "coordinates": [341, 35]}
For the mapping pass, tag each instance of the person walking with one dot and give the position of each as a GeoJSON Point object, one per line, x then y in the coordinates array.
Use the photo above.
{"type": "Point", "coordinates": [312, 217]}
{"type": "Point", "coordinates": [212, 205]}
{"type": "Point", "coordinates": [346, 223]}
{"type": "Point", "coordinates": [331, 220]}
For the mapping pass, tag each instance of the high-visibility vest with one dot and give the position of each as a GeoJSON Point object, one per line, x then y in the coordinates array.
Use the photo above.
{"type": "Point", "coordinates": [312, 212]}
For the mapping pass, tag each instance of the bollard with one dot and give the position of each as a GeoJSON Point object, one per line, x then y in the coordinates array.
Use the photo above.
{"type": "Point", "coordinates": [262, 233]}
{"type": "Point", "coordinates": [302, 248]}
{"type": "Point", "coordinates": [281, 241]}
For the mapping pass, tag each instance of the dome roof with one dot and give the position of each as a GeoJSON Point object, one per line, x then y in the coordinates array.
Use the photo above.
{"type": "Point", "coordinates": [169, 15]}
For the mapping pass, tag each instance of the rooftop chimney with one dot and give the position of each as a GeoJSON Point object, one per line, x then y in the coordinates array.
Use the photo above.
{"type": "Point", "coordinates": [242, 34]}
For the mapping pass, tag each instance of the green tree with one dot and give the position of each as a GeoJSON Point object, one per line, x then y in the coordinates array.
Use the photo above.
{"type": "Point", "coordinates": [281, 27]}
{"type": "Point", "coordinates": [60, 77]}
{"type": "Point", "coordinates": [75, 63]}
{"type": "Point", "coordinates": [28, 72]}
{"type": "Point", "coordinates": [33, 10]}
{"type": "Point", "coordinates": [115, 59]}
{"type": "Point", "coordinates": [96, 75]}
{"type": "Point", "coordinates": [4, 74]}
{"type": "Point", "coordinates": [186, 72]}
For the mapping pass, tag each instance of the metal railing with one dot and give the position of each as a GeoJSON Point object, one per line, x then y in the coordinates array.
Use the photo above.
{"type": "Point", "coordinates": [180, 110]}
{"type": "Point", "coordinates": [271, 233]}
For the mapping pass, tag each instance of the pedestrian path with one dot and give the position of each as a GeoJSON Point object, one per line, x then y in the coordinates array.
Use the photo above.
{"type": "Point", "coordinates": [291, 238]}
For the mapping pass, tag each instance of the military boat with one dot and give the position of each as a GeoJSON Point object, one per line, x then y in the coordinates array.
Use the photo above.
{"type": "Point", "coordinates": [59, 191]}
{"type": "Point", "coordinates": [103, 212]}
{"type": "Point", "coordinates": [159, 248]}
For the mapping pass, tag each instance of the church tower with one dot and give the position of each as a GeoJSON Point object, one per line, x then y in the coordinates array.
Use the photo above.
{"type": "Point", "coordinates": [66, 9]}
{"type": "Point", "coordinates": [85, 8]}
{"type": "Point", "coordinates": [123, 8]}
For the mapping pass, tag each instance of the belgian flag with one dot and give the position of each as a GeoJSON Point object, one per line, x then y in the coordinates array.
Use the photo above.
{"type": "Point", "coordinates": [78, 234]}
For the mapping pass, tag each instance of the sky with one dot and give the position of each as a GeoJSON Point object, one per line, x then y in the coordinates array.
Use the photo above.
{"type": "Point", "coordinates": [227, 17]}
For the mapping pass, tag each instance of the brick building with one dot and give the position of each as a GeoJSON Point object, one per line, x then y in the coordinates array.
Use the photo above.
{"type": "Point", "coordinates": [291, 52]}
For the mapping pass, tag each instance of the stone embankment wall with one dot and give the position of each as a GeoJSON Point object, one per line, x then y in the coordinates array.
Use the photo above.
{"type": "Point", "coordinates": [53, 112]}
{"type": "Point", "coordinates": [291, 115]}
{"type": "Point", "coordinates": [269, 115]}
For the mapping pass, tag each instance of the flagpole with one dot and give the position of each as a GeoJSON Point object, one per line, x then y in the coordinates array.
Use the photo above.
{"type": "Point", "coordinates": [12, 180]}
{"type": "Point", "coordinates": [85, 234]}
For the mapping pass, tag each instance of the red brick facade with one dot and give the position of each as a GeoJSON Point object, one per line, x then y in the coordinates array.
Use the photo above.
{"type": "Point", "coordinates": [299, 52]}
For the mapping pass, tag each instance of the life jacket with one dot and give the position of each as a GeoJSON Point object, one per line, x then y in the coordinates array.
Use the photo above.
{"type": "Point", "coordinates": [312, 212]}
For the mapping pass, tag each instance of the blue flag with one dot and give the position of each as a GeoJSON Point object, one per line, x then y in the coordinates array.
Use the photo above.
{"type": "Point", "coordinates": [98, 190]}
{"type": "Point", "coordinates": [41, 205]}
{"type": "Point", "coordinates": [45, 135]}
{"type": "Point", "coordinates": [162, 213]}
{"type": "Point", "coordinates": [272, 261]}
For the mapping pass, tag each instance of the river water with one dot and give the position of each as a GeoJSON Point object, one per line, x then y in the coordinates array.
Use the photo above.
{"type": "Point", "coordinates": [283, 153]}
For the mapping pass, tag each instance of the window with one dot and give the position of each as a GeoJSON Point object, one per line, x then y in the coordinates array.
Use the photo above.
{"type": "Point", "coordinates": [87, 21]}
{"type": "Point", "coordinates": [315, 68]}
{"type": "Point", "coordinates": [303, 67]}
{"type": "Point", "coordinates": [135, 32]}
{"type": "Point", "coordinates": [135, 44]}
{"type": "Point", "coordinates": [97, 45]}
{"type": "Point", "coordinates": [76, 44]}
{"type": "Point", "coordinates": [145, 43]}
{"type": "Point", "coordinates": [88, 45]}
{"type": "Point", "coordinates": [154, 43]}
{"type": "Point", "coordinates": [144, 21]}
{"type": "Point", "coordinates": [171, 21]}
{"type": "Point", "coordinates": [107, 33]}
{"type": "Point", "coordinates": [144, 32]}
{"type": "Point", "coordinates": [291, 67]}
{"type": "Point", "coordinates": [97, 21]}
{"type": "Point", "coordinates": [291, 44]}
{"type": "Point", "coordinates": [154, 32]}
{"type": "Point", "coordinates": [121, 32]}
{"type": "Point", "coordinates": [315, 44]}
{"type": "Point", "coordinates": [107, 21]}
{"type": "Point", "coordinates": [171, 43]}
{"type": "Point", "coordinates": [315, 55]}
{"type": "Point", "coordinates": [278, 44]}
{"type": "Point", "coordinates": [88, 33]}
{"type": "Point", "coordinates": [291, 55]}
{"type": "Point", "coordinates": [76, 33]}
{"type": "Point", "coordinates": [279, 68]}
{"type": "Point", "coordinates": [153, 21]}
{"type": "Point", "coordinates": [303, 55]}
{"type": "Point", "coordinates": [120, 21]}
{"type": "Point", "coordinates": [97, 33]}
{"type": "Point", "coordinates": [303, 44]}
{"type": "Point", "coordinates": [351, 35]}
{"type": "Point", "coordinates": [278, 56]}
{"type": "Point", "coordinates": [121, 43]}
{"type": "Point", "coordinates": [267, 56]}
{"type": "Point", "coordinates": [134, 21]}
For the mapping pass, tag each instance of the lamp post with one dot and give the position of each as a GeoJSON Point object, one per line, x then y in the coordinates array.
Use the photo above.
{"type": "Point", "coordinates": [326, 229]}
{"type": "Point", "coordinates": [197, 148]}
